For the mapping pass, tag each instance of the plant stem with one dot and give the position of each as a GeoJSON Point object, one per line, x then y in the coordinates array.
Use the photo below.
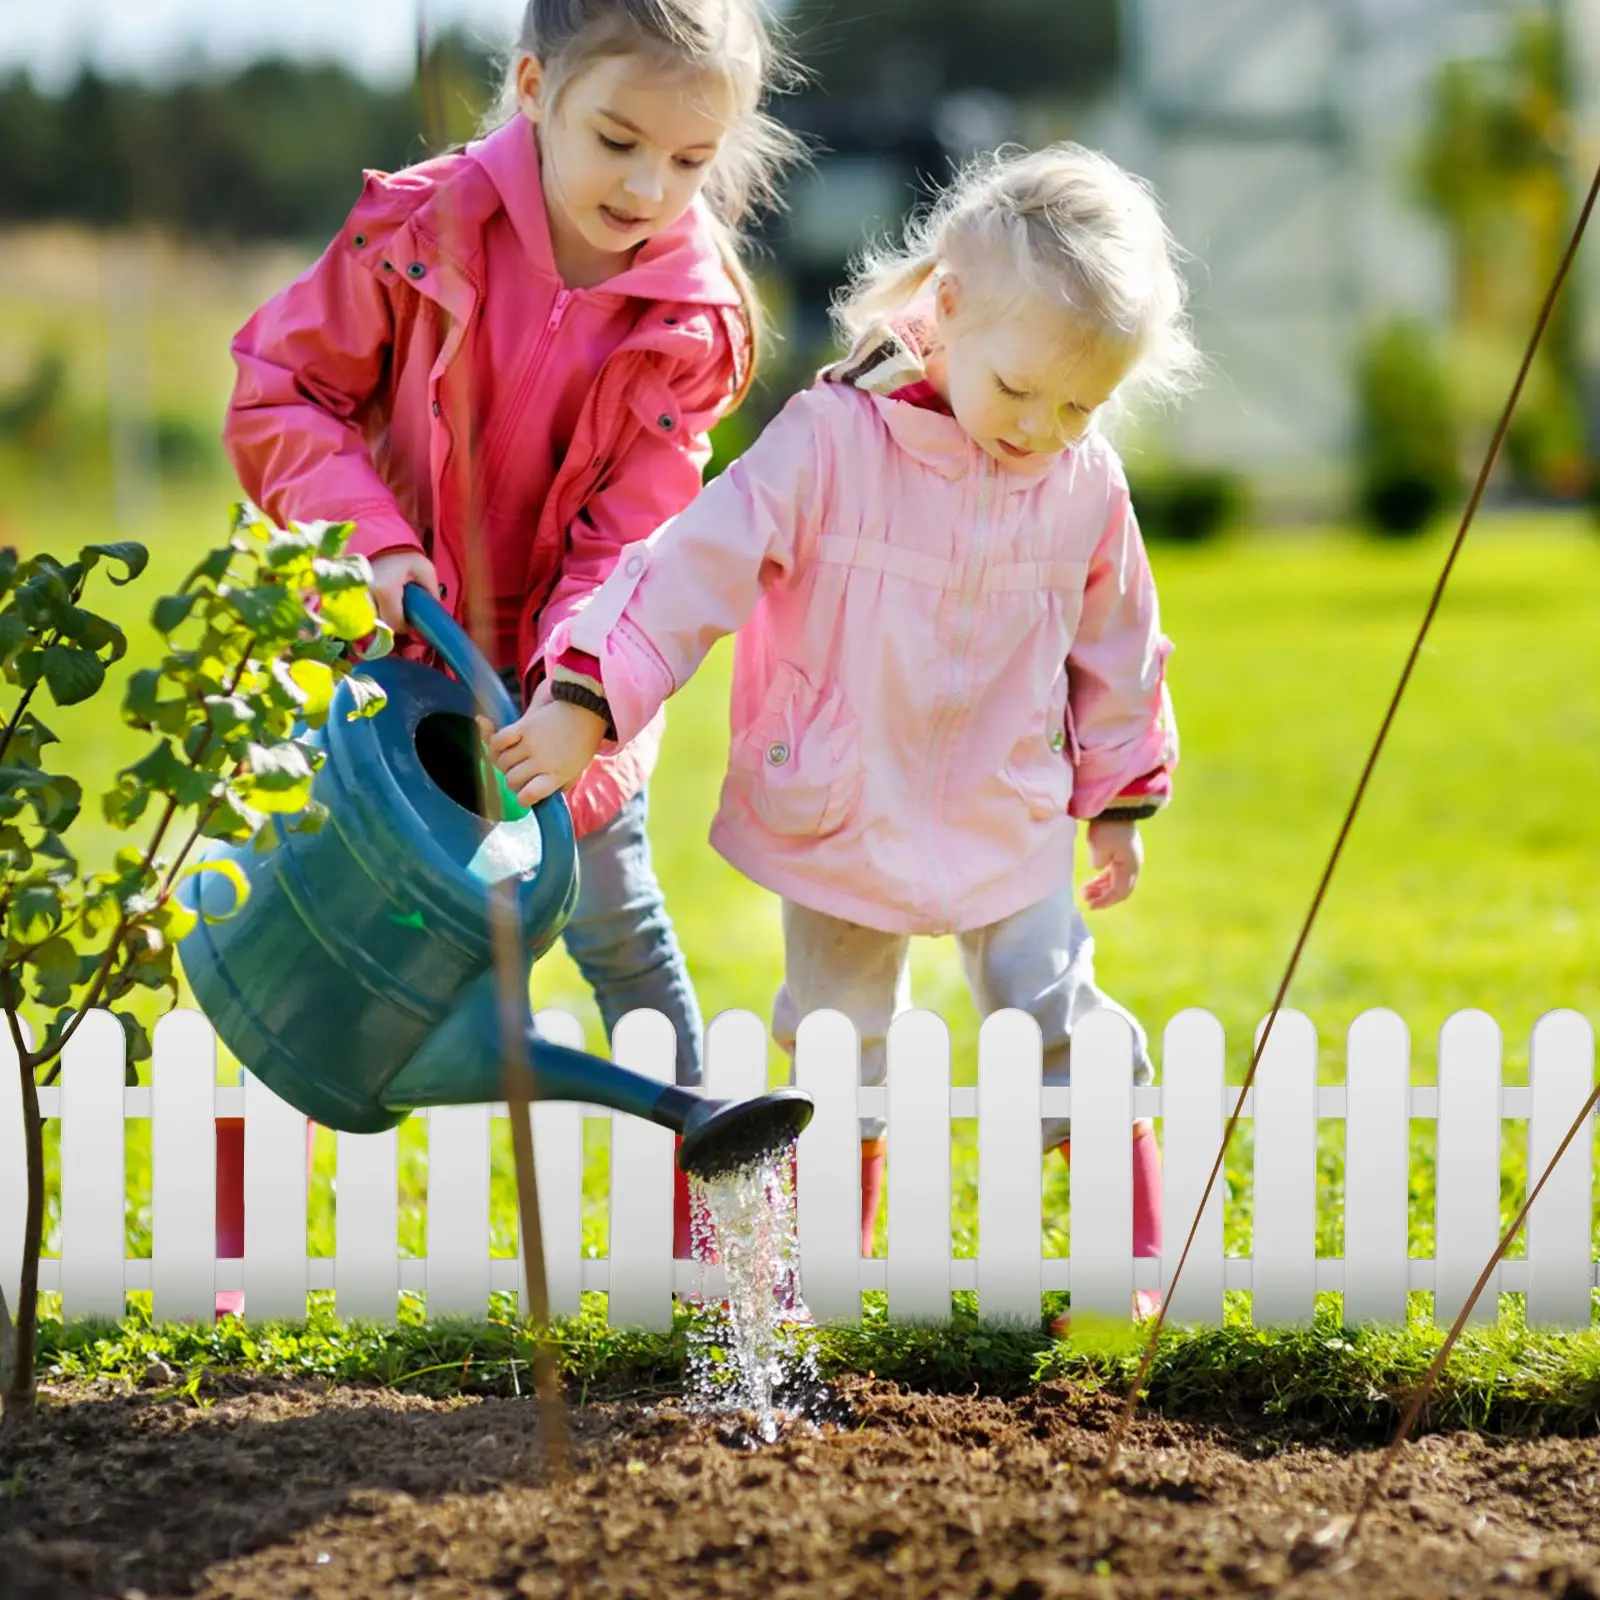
{"type": "Point", "coordinates": [19, 1392]}
{"type": "Point", "coordinates": [97, 986]}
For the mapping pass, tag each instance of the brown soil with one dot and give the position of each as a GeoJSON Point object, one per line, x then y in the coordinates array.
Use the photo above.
{"type": "Point", "coordinates": [273, 1491]}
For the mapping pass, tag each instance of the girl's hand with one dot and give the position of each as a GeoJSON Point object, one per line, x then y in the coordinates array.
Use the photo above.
{"type": "Point", "coordinates": [391, 572]}
{"type": "Point", "coordinates": [546, 749]}
{"type": "Point", "coordinates": [1117, 853]}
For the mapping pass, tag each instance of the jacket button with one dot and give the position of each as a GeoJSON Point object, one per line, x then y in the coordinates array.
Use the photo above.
{"type": "Point", "coordinates": [416, 270]}
{"type": "Point", "coordinates": [436, 408]}
{"type": "Point", "coordinates": [360, 240]}
{"type": "Point", "coordinates": [444, 591]}
{"type": "Point", "coordinates": [635, 566]}
{"type": "Point", "coordinates": [777, 753]}
{"type": "Point", "coordinates": [665, 419]}
{"type": "Point", "coordinates": [671, 322]}
{"type": "Point", "coordinates": [1058, 740]}
{"type": "Point", "coordinates": [388, 266]}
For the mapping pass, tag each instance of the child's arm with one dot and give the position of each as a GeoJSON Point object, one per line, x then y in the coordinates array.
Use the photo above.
{"type": "Point", "coordinates": [647, 629]}
{"type": "Point", "coordinates": [659, 474]}
{"type": "Point", "coordinates": [1120, 716]}
{"type": "Point", "coordinates": [307, 362]}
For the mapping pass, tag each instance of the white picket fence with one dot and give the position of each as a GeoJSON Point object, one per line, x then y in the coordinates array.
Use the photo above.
{"type": "Point", "coordinates": [1469, 1106]}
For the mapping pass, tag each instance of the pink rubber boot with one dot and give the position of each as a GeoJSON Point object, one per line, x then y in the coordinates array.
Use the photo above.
{"type": "Point", "coordinates": [872, 1154]}
{"type": "Point", "coordinates": [1146, 1218]}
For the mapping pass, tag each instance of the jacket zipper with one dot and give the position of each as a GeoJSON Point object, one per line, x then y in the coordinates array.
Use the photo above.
{"type": "Point", "coordinates": [490, 467]}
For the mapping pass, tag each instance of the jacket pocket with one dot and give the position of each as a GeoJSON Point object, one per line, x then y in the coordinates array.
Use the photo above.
{"type": "Point", "coordinates": [1039, 769]}
{"type": "Point", "coordinates": [800, 759]}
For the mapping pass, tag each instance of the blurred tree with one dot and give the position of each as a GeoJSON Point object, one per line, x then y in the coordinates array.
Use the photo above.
{"type": "Point", "coordinates": [1495, 169]}
{"type": "Point", "coordinates": [924, 48]}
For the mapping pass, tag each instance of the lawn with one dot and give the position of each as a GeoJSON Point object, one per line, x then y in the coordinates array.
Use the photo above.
{"type": "Point", "coordinates": [1469, 880]}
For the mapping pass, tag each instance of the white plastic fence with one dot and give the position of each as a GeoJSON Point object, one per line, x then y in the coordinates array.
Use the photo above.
{"type": "Point", "coordinates": [1469, 1107]}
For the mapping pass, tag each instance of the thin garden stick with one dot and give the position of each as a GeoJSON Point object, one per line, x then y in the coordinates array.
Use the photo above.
{"type": "Point", "coordinates": [504, 934]}
{"type": "Point", "coordinates": [1125, 1417]}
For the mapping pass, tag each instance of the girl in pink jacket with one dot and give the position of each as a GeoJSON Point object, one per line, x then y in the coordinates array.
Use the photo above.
{"type": "Point", "coordinates": [949, 649]}
{"type": "Point", "coordinates": [510, 359]}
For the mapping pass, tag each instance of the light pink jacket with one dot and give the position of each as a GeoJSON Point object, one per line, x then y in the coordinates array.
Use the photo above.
{"type": "Point", "coordinates": [421, 376]}
{"type": "Point", "coordinates": [941, 661]}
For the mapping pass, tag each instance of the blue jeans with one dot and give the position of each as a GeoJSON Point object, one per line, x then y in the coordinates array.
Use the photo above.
{"type": "Point", "coordinates": [620, 936]}
{"type": "Point", "coordinates": [622, 940]}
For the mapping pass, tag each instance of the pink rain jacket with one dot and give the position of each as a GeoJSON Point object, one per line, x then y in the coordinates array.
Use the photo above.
{"type": "Point", "coordinates": [432, 379]}
{"type": "Point", "coordinates": [941, 661]}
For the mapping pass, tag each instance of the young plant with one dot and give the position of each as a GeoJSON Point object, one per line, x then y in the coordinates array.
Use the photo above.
{"type": "Point", "coordinates": [257, 639]}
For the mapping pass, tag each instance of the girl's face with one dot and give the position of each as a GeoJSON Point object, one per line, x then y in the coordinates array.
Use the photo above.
{"type": "Point", "coordinates": [1008, 384]}
{"type": "Point", "coordinates": [626, 150]}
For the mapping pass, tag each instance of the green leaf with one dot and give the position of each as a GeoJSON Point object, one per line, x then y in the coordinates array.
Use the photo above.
{"type": "Point", "coordinates": [133, 556]}
{"type": "Point", "coordinates": [35, 913]}
{"type": "Point", "coordinates": [73, 675]}
{"type": "Point", "coordinates": [228, 712]}
{"type": "Point", "coordinates": [336, 574]}
{"type": "Point", "coordinates": [279, 766]}
{"type": "Point", "coordinates": [367, 699]}
{"type": "Point", "coordinates": [332, 538]}
{"type": "Point", "coordinates": [8, 566]}
{"type": "Point", "coordinates": [316, 683]}
{"type": "Point", "coordinates": [102, 906]}
{"type": "Point", "coordinates": [310, 820]}
{"type": "Point", "coordinates": [163, 771]}
{"type": "Point", "coordinates": [138, 1036]}
{"type": "Point", "coordinates": [231, 818]}
{"type": "Point", "coordinates": [172, 610]}
{"type": "Point", "coordinates": [55, 971]}
{"type": "Point", "coordinates": [350, 613]}
{"type": "Point", "coordinates": [125, 804]}
{"type": "Point", "coordinates": [13, 632]}
{"type": "Point", "coordinates": [270, 611]}
{"type": "Point", "coordinates": [212, 568]}
{"type": "Point", "coordinates": [55, 798]}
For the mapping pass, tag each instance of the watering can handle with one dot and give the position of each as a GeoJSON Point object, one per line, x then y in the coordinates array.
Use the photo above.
{"type": "Point", "coordinates": [450, 642]}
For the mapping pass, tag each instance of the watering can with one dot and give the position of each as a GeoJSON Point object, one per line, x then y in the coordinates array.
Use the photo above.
{"type": "Point", "coordinates": [357, 978]}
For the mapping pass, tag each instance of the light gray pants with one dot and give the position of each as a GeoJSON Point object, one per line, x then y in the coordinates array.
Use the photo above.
{"type": "Point", "coordinates": [1040, 960]}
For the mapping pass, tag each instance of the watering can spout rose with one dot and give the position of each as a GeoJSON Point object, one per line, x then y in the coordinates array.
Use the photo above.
{"type": "Point", "coordinates": [356, 977]}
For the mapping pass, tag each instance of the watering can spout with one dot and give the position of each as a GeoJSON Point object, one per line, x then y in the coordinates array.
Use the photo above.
{"type": "Point", "coordinates": [461, 1063]}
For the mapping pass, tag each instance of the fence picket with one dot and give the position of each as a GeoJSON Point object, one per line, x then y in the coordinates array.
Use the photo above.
{"type": "Point", "coordinates": [94, 1205]}
{"type": "Point", "coordinates": [919, 1167]}
{"type": "Point", "coordinates": [366, 1225]}
{"type": "Point", "coordinates": [558, 1167]}
{"type": "Point", "coordinates": [1010, 1172]}
{"type": "Point", "coordinates": [183, 1169]}
{"type": "Point", "coordinates": [828, 1190]}
{"type": "Point", "coordinates": [1102, 1166]}
{"type": "Point", "coordinates": [13, 1167]}
{"type": "Point", "coordinates": [1377, 1104]}
{"type": "Point", "coordinates": [274, 1205]}
{"type": "Point", "coordinates": [1284, 1247]}
{"type": "Point", "coordinates": [458, 1211]}
{"type": "Point", "coordinates": [639, 1290]}
{"type": "Point", "coordinates": [1467, 1174]}
{"type": "Point", "coordinates": [1192, 1060]}
{"type": "Point", "coordinates": [1561, 1073]}
{"type": "Point", "coordinates": [1377, 1162]}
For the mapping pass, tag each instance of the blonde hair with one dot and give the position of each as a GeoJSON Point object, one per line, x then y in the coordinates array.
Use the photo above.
{"type": "Point", "coordinates": [728, 38]}
{"type": "Point", "coordinates": [1065, 227]}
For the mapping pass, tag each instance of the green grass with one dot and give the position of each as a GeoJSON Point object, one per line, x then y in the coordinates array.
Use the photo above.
{"type": "Point", "coordinates": [1469, 880]}
{"type": "Point", "coordinates": [1344, 1384]}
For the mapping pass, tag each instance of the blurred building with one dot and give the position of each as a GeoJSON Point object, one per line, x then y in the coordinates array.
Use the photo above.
{"type": "Point", "coordinates": [1282, 136]}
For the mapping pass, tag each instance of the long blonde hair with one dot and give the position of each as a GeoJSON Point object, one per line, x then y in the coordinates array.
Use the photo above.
{"type": "Point", "coordinates": [1063, 226]}
{"type": "Point", "coordinates": [729, 38]}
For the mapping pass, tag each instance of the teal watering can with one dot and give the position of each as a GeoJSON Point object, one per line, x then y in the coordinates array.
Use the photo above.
{"type": "Point", "coordinates": [357, 978]}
